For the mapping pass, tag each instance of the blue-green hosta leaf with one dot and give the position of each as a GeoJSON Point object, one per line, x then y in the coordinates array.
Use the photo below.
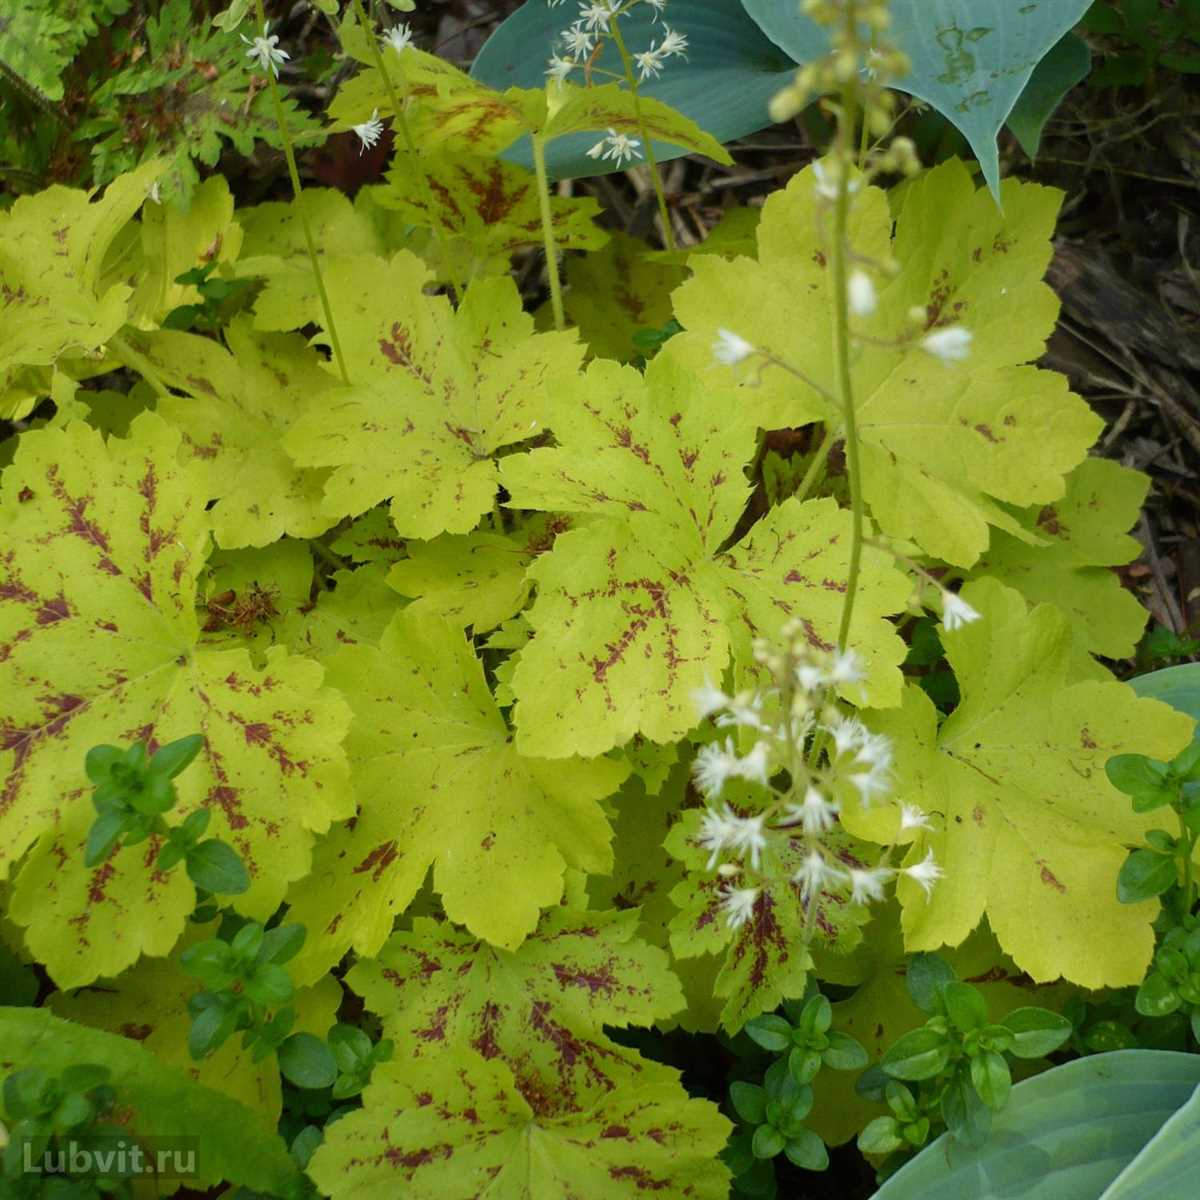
{"type": "Point", "coordinates": [971, 59]}
{"type": "Point", "coordinates": [730, 75]}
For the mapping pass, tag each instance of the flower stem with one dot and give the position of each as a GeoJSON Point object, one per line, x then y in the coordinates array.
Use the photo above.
{"type": "Point", "coordinates": [816, 469]}
{"type": "Point", "coordinates": [297, 192]}
{"type": "Point", "coordinates": [664, 213]}
{"type": "Point", "coordinates": [543, 182]}
{"type": "Point", "coordinates": [844, 153]}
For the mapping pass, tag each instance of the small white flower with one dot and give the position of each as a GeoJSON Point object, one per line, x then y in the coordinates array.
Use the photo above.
{"type": "Point", "coordinates": [649, 64]}
{"type": "Point", "coordinates": [814, 873]}
{"type": "Point", "coordinates": [847, 734]}
{"type": "Point", "coordinates": [729, 349]}
{"type": "Point", "coordinates": [951, 344]}
{"type": "Point", "coordinates": [861, 294]}
{"type": "Point", "coordinates": [708, 700]}
{"type": "Point", "coordinates": [926, 872]}
{"type": "Point", "coordinates": [757, 764]}
{"type": "Point", "coordinates": [846, 667]}
{"type": "Point", "coordinates": [815, 814]}
{"type": "Point", "coordinates": [867, 886]}
{"type": "Point", "coordinates": [748, 837]}
{"type": "Point", "coordinates": [658, 6]}
{"type": "Point", "coordinates": [596, 16]}
{"type": "Point", "coordinates": [153, 192]}
{"type": "Point", "coordinates": [714, 764]}
{"type": "Point", "coordinates": [827, 182]}
{"type": "Point", "coordinates": [744, 710]}
{"type": "Point", "coordinates": [559, 68]}
{"type": "Point", "coordinates": [871, 784]}
{"type": "Point", "coordinates": [739, 906]}
{"type": "Point", "coordinates": [717, 831]}
{"type": "Point", "coordinates": [956, 612]}
{"type": "Point", "coordinates": [266, 50]}
{"type": "Point", "coordinates": [874, 751]}
{"type": "Point", "coordinates": [578, 42]}
{"type": "Point", "coordinates": [673, 42]}
{"type": "Point", "coordinates": [369, 131]}
{"type": "Point", "coordinates": [911, 817]}
{"type": "Point", "coordinates": [399, 37]}
{"type": "Point", "coordinates": [617, 146]}
{"type": "Point", "coordinates": [811, 677]}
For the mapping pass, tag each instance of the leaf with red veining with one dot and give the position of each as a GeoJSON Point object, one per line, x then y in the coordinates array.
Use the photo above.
{"type": "Point", "coordinates": [640, 605]}
{"type": "Point", "coordinates": [619, 291]}
{"type": "Point", "coordinates": [478, 579]}
{"type": "Point", "coordinates": [456, 1128]}
{"type": "Point", "coordinates": [492, 204]}
{"type": "Point", "coordinates": [100, 546]}
{"type": "Point", "coordinates": [540, 1009]}
{"type": "Point", "coordinates": [54, 300]}
{"type": "Point", "coordinates": [943, 445]}
{"type": "Point", "coordinates": [235, 409]}
{"type": "Point", "coordinates": [437, 392]}
{"type": "Point", "coordinates": [441, 785]}
{"type": "Point", "coordinates": [1026, 825]}
{"type": "Point", "coordinates": [765, 960]}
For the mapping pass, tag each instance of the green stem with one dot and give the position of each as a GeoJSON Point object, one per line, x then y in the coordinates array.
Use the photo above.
{"type": "Point", "coordinates": [1187, 838]}
{"type": "Point", "coordinates": [140, 363]}
{"type": "Point", "coordinates": [543, 182]}
{"type": "Point", "coordinates": [816, 468]}
{"type": "Point", "coordinates": [841, 346]}
{"type": "Point", "coordinates": [664, 213]}
{"type": "Point", "coordinates": [297, 192]}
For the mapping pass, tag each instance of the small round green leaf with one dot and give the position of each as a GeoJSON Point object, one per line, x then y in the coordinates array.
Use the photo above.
{"type": "Point", "coordinates": [306, 1061]}
{"type": "Point", "coordinates": [921, 1054]}
{"type": "Point", "coordinates": [1145, 873]}
{"type": "Point", "coordinates": [927, 976]}
{"type": "Point", "coordinates": [881, 1136]}
{"type": "Point", "coordinates": [771, 1032]}
{"type": "Point", "coordinates": [768, 1142]}
{"type": "Point", "coordinates": [965, 1005]}
{"type": "Point", "coordinates": [1036, 1031]}
{"type": "Point", "coordinates": [806, 1150]}
{"type": "Point", "coordinates": [215, 866]}
{"type": "Point", "coordinates": [749, 1102]}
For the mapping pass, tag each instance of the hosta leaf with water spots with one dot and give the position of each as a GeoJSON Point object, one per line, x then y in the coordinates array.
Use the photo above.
{"type": "Point", "coordinates": [634, 607]}
{"type": "Point", "coordinates": [440, 784]}
{"type": "Point", "coordinates": [941, 443]}
{"type": "Point", "coordinates": [437, 392]}
{"type": "Point", "coordinates": [100, 547]}
{"type": "Point", "coordinates": [236, 407]}
{"type": "Point", "coordinates": [1084, 535]}
{"type": "Point", "coordinates": [540, 1009]}
{"type": "Point", "coordinates": [1027, 827]}
{"type": "Point", "coordinates": [458, 1128]}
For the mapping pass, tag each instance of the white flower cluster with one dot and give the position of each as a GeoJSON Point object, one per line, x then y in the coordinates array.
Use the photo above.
{"type": "Point", "coordinates": [617, 146]}
{"type": "Point", "coordinates": [795, 723]}
{"type": "Point", "coordinates": [266, 51]}
{"type": "Point", "coordinates": [594, 23]}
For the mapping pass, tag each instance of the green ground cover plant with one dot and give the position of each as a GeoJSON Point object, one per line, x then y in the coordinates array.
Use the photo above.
{"type": "Point", "coordinates": [430, 716]}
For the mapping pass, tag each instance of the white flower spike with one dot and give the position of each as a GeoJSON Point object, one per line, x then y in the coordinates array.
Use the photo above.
{"type": "Point", "coordinates": [369, 132]}
{"type": "Point", "coordinates": [911, 817]}
{"type": "Point", "coordinates": [266, 50]}
{"type": "Point", "coordinates": [951, 344]}
{"type": "Point", "coordinates": [956, 612]}
{"type": "Point", "coordinates": [815, 873]}
{"type": "Point", "coordinates": [729, 349]}
{"type": "Point", "coordinates": [866, 887]}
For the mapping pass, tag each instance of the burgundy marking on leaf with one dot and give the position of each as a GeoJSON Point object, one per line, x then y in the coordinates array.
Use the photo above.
{"type": "Point", "coordinates": [642, 1178]}
{"type": "Point", "coordinates": [54, 610]}
{"type": "Point", "coordinates": [378, 861]}
{"type": "Point", "coordinates": [100, 878]}
{"type": "Point", "coordinates": [601, 980]}
{"type": "Point", "coordinates": [75, 510]}
{"type": "Point", "coordinates": [1050, 879]}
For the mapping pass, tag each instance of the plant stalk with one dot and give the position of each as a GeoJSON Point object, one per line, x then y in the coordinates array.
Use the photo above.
{"type": "Point", "coordinates": [543, 182]}
{"type": "Point", "coordinates": [297, 192]}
